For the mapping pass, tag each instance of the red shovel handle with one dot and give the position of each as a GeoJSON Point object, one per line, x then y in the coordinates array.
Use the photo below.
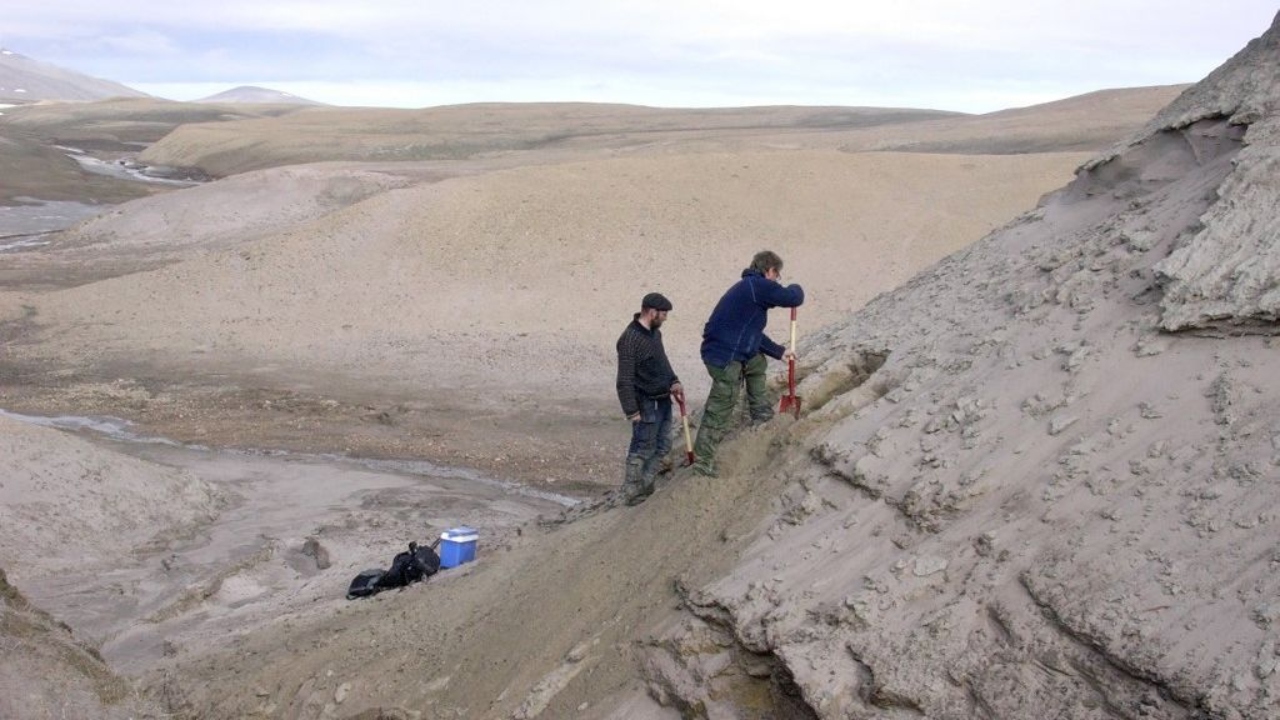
{"type": "Point", "coordinates": [790, 402]}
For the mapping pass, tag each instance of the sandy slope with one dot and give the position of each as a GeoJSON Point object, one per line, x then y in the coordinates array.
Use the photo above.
{"type": "Point", "coordinates": [45, 672]}
{"type": "Point", "coordinates": [48, 524]}
{"type": "Point", "coordinates": [500, 294]}
{"type": "Point", "coordinates": [444, 283]}
{"type": "Point", "coordinates": [488, 294]}
{"type": "Point", "coordinates": [73, 512]}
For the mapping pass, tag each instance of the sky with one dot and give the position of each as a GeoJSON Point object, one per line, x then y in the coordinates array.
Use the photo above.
{"type": "Point", "coordinates": [963, 55]}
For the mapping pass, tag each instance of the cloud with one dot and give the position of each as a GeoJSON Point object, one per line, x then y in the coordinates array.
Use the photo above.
{"type": "Point", "coordinates": [142, 43]}
{"type": "Point", "coordinates": [924, 53]}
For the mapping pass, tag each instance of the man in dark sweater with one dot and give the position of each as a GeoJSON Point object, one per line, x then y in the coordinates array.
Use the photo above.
{"type": "Point", "coordinates": [734, 348]}
{"type": "Point", "coordinates": [646, 385]}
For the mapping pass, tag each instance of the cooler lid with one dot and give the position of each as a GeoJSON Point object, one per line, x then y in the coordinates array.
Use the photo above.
{"type": "Point", "coordinates": [462, 533]}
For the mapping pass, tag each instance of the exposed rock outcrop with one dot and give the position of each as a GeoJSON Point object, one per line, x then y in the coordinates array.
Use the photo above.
{"type": "Point", "coordinates": [1048, 506]}
{"type": "Point", "coordinates": [1227, 276]}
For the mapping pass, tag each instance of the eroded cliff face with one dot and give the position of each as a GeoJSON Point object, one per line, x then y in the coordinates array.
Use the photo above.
{"type": "Point", "coordinates": [1226, 277]}
{"type": "Point", "coordinates": [1018, 492]}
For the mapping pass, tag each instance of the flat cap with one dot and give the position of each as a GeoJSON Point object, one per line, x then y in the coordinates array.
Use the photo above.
{"type": "Point", "coordinates": [657, 301]}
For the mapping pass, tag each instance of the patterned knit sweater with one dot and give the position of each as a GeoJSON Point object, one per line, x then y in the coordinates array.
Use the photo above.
{"type": "Point", "coordinates": [643, 369]}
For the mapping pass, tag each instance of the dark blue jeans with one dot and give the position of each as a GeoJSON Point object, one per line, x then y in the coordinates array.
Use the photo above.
{"type": "Point", "coordinates": [651, 435]}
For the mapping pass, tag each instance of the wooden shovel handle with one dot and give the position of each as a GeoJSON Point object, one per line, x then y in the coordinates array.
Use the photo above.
{"type": "Point", "coordinates": [688, 439]}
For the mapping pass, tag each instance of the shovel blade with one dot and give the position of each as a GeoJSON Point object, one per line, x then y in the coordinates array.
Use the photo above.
{"type": "Point", "coordinates": [790, 404]}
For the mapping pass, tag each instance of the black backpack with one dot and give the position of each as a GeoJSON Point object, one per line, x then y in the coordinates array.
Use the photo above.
{"type": "Point", "coordinates": [419, 563]}
{"type": "Point", "coordinates": [365, 584]}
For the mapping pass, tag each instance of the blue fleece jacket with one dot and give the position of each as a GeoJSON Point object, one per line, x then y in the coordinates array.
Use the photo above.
{"type": "Point", "coordinates": [735, 330]}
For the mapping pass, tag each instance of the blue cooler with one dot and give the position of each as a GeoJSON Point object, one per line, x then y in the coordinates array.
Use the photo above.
{"type": "Point", "coordinates": [457, 546]}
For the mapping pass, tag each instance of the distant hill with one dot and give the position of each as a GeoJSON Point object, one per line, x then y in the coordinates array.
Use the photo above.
{"type": "Point", "coordinates": [253, 94]}
{"type": "Point", "coordinates": [23, 80]}
{"type": "Point", "coordinates": [1088, 124]}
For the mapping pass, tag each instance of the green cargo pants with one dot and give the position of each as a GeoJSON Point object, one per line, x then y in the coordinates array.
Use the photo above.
{"type": "Point", "coordinates": [717, 416]}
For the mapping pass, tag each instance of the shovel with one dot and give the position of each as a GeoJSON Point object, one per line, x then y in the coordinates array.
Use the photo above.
{"type": "Point", "coordinates": [790, 401]}
{"type": "Point", "coordinates": [688, 441]}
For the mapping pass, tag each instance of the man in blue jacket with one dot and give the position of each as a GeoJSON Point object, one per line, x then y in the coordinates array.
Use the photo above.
{"type": "Point", "coordinates": [734, 347]}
